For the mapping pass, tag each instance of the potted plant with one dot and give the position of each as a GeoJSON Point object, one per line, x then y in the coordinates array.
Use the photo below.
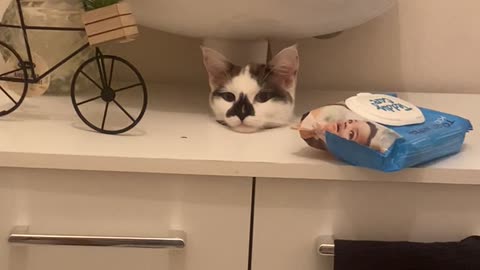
{"type": "Point", "coordinates": [109, 20]}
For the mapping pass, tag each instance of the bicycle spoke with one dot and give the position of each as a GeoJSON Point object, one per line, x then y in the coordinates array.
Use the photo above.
{"type": "Point", "coordinates": [105, 115]}
{"type": "Point", "coordinates": [101, 70]}
{"type": "Point", "coordinates": [128, 87]}
{"type": "Point", "coordinates": [88, 100]}
{"type": "Point", "coordinates": [111, 73]}
{"type": "Point", "coordinates": [90, 79]}
{"type": "Point", "coordinates": [125, 111]}
{"type": "Point", "coordinates": [10, 72]}
{"type": "Point", "coordinates": [8, 95]}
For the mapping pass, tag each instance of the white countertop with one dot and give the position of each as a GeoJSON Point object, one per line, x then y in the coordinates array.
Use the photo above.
{"type": "Point", "coordinates": [178, 136]}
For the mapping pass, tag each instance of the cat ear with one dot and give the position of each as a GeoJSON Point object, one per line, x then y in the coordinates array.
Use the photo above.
{"type": "Point", "coordinates": [219, 68]}
{"type": "Point", "coordinates": [284, 67]}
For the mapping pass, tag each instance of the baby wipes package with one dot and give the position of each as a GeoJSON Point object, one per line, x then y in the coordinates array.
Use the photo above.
{"type": "Point", "coordinates": [383, 132]}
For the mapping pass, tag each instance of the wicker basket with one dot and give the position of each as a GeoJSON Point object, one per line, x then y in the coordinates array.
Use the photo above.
{"type": "Point", "coordinates": [111, 23]}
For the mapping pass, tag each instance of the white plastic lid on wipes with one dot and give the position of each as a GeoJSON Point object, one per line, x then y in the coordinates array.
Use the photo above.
{"type": "Point", "coordinates": [384, 109]}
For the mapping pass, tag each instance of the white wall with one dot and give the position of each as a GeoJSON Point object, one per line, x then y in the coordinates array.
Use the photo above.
{"type": "Point", "coordinates": [420, 45]}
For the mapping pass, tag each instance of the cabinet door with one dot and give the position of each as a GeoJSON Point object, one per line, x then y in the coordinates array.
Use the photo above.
{"type": "Point", "coordinates": [291, 214]}
{"type": "Point", "coordinates": [7, 210]}
{"type": "Point", "coordinates": [213, 212]}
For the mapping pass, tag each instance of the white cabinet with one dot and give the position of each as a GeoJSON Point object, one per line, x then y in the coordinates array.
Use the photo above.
{"type": "Point", "coordinates": [291, 214]}
{"type": "Point", "coordinates": [214, 213]}
{"type": "Point", "coordinates": [7, 211]}
{"type": "Point", "coordinates": [83, 183]}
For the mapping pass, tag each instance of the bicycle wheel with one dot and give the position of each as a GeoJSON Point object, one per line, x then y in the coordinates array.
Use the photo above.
{"type": "Point", "coordinates": [105, 96]}
{"type": "Point", "coordinates": [13, 79]}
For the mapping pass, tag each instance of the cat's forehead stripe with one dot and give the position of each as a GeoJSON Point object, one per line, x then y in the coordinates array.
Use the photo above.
{"type": "Point", "coordinates": [243, 83]}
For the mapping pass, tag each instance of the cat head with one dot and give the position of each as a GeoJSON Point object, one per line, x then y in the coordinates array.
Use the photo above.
{"type": "Point", "coordinates": [254, 97]}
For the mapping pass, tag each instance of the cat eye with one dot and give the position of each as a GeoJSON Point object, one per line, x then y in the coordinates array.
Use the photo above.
{"type": "Point", "coordinates": [228, 97]}
{"type": "Point", "coordinates": [263, 97]}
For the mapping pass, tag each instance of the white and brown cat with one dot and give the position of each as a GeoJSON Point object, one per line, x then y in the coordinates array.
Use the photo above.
{"type": "Point", "coordinates": [255, 97]}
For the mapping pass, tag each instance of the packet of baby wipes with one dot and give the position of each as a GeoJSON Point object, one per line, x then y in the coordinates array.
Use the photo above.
{"type": "Point", "coordinates": [383, 132]}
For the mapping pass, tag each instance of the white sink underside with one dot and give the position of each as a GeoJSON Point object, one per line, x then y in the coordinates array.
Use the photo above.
{"type": "Point", "coordinates": [250, 19]}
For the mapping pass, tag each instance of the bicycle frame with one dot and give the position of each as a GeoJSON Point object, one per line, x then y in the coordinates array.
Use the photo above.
{"type": "Point", "coordinates": [29, 64]}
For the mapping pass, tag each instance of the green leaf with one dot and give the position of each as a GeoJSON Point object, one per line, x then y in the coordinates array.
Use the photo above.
{"type": "Point", "coordinates": [94, 4]}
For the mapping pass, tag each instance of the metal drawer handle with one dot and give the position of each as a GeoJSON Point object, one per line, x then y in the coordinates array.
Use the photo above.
{"type": "Point", "coordinates": [325, 246]}
{"type": "Point", "coordinates": [20, 235]}
{"type": "Point", "coordinates": [326, 250]}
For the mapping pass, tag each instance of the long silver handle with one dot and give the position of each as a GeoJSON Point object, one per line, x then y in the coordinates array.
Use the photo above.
{"type": "Point", "coordinates": [20, 236]}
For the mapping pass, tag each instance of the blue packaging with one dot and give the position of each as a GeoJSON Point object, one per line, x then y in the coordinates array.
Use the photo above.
{"type": "Point", "coordinates": [439, 136]}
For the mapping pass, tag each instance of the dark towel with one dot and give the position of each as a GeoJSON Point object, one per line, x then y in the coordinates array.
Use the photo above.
{"type": "Point", "coordinates": [369, 255]}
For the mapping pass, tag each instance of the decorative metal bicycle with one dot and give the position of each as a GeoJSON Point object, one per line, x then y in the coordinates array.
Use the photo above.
{"type": "Point", "coordinates": [23, 73]}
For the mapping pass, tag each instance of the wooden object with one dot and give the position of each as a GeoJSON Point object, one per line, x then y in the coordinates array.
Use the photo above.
{"type": "Point", "coordinates": [112, 23]}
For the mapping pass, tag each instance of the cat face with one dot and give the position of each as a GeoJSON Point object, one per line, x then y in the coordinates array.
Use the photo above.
{"type": "Point", "coordinates": [257, 96]}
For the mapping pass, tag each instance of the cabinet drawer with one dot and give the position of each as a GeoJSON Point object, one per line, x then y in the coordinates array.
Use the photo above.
{"type": "Point", "coordinates": [212, 211]}
{"type": "Point", "coordinates": [292, 214]}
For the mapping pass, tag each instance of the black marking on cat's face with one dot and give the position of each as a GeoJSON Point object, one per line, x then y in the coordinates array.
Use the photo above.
{"type": "Point", "coordinates": [225, 95]}
{"type": "Point", "coordinates": [258, 72]}
{"type": "Point", "coordinates": [270, 90]}
{"type": "Point", "coordinates": [231, 72]}
{"type": "Point", "coordinates": [220, 92]}
{"type": "Point", "coordinates": [234, 70]}
{"type": "Point", "coordinates": [273, 93]}
{"type": "Point", "coordinates": [242, 108]}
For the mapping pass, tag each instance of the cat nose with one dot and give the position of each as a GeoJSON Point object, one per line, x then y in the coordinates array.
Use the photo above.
{"type": "Point", "coordinates": [243, 113]}
{"type": "Point", "coordinates": [242, 108]}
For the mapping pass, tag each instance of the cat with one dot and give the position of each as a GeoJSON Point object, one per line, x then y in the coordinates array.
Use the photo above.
{"type": "Point", "coordinates": [254, 97]}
